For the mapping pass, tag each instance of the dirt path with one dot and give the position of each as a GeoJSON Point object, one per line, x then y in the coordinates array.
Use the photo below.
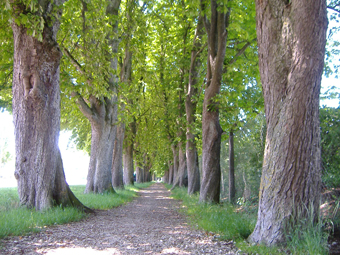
{"type": "Point", "coordinates": [148, 225]}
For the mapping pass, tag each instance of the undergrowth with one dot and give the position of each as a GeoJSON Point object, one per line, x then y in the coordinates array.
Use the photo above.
{"type": "Point", "coordinates": [17, 220]}
{"type": "Point", "coordinates": [237, 223]}
{"type": "Point", "coordinates": [223, 219]}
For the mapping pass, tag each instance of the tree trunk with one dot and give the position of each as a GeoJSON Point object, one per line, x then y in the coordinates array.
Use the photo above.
{"type": "Point", "coordinates": [36, 113]}
{"type": "Point", "coordinates": [102, 114]}
{"type": "Point", "coordinates": [131, 132]}
{"type": "Point", "coordinates": [291, 39]}
{"type": "Point", "coordinates": [166, 177]}
{"type": "Point", "coordinates": [190, 108]}
{"type": "Point", "coordinates": [182, 174]}
{"type": "Point", "coordinates": [175, 164]}
{"type": "Point", "coordinates": [117, 159]}
{"type": "Point", "coordinates": [103, 134]}
{"type": "Point", "coordinates": [139, 174]}
{"type": "Point", "coordinates": [211, 130]}
{"type": "Point", "coordinates": [171, 172]}
{"type": "Point", "coordinates": [128, 164]}
{"type": "Point", "coordinates": [231, 168]}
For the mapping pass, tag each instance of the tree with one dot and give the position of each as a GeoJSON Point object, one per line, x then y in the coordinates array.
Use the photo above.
{"type": "Point", "coordinates": [291, 41]}
{"type": "Point", "coordinates": [36, 105]}
{"type": "Point", "coordinates": [190, 108]}
{"type": "Point", "coordinates": [91, 65]}
{"type": "Point", "coordinates": [217, 32]}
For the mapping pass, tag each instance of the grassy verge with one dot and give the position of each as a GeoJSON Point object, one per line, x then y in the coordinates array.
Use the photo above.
{"type": "Point", "coordinates": [237, 223]}
{"type": "Point", "coordinates": [223, 220]}
{"type": "Point", "coordinates": [15, 220]}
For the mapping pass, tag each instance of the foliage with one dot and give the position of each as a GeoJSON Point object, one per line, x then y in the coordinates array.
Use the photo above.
{"type": "Point", "coordinates": [16, 220]}
{"type": "Point", "coordinates": [6, 60]}
{"type": "Point", "coordinates": [221, 219]}
{"type": "Point", "coordinates": [330, 145]}
{"type": "Point", "coordinates": [307, 236]}
{"type": "Point", "coordinates": [249, 140]}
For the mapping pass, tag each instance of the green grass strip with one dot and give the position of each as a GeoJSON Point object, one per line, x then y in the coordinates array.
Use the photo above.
{"type": "Point", "coordinates": [16, 220]}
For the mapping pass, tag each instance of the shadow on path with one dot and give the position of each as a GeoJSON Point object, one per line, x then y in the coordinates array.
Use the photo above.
{"type": "Point", "coordinates": [150, 224]}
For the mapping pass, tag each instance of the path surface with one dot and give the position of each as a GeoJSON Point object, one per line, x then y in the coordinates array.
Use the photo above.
{"type": "Point", "coordinates": [148, 225]}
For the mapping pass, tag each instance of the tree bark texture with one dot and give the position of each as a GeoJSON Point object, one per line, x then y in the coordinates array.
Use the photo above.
{"type": "Point", "coordinates": [139, 174]}
{"type": "Point", "coordinates": [128, 165]}
{"type": "Point", "coordinates": [231, 168]}
{"type": "Point", "coordinates": [128, 148]}
{"type": "Point", "coordinates": [291, 39]}
{"type": "Point", "coordinates": [190, 108]}
{"type": "Point", "coordinates": [117, 159]}
{"type": "Point", "coordinates": [182, 174]}
{"type": "Point", "coordinates": [102, 114]}
{"type": "Point", "coordinates": [175, 163]}
{"type": "Point", "coordinates": [36, 113]}
{"type": "Point", "coordinates": [171, 172]}
{"type": "Point", "coordinates": [211, 130]}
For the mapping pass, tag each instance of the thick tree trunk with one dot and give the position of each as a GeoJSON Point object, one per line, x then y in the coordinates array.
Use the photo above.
{"type": "Point", "coordinates": [139, 174]}
{"type": "Point", "coordinates": [117, 159]}
{"type": "Point", "coordinates": [102, 114]}
{"type": "Point", "coordinates": [128, 164]}
{"type": "Point", "coordinates": [211, 130]}
{"type": "Point", "coordinates": [36, 112]}
{"type": "Point", "coordinates": [231, 168]}
{"type": "Point", "coordinates": [182, 174]}
{"type": "Point", "coordinates": [171, 173]}
{"type": "Point", "coordinates": [291, 39]}
{"type": "Point", "coordinates": [166, 177]}
{"type": "Point", "coordinates": [103, 134]}
{"type": "Point", "coordinates": [190, 108]}
{"type": "Point", "coordinates": [175, 163]}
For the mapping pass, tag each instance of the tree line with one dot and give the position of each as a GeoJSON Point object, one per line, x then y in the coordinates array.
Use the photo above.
{"type": "Point", "coordinates": [153, 87]}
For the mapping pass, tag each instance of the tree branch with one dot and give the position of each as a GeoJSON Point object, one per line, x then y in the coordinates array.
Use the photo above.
{"type": "Point", "coordinates": [83, 106]}
{"type": "Point", "coordinates": [76, 65]}
{"type": "Point", "coordinates": [333, 8]}
{"type": "Point", "coordinates": [239, 53]}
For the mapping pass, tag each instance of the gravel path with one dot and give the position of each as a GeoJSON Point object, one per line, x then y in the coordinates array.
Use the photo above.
{"type": "Point", "coordinates": [150, 224]}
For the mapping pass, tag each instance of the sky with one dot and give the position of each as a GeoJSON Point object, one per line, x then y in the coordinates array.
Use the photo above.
{"type": "Point", "coordinates": [75, 162]}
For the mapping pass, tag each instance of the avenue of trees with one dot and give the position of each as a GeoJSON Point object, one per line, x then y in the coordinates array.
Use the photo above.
{"type": "Point", "coordinates": [173, 88]}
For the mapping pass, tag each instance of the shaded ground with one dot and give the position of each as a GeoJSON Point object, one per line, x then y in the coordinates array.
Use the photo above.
{"type": "Point", "coordinates": [148, 225]}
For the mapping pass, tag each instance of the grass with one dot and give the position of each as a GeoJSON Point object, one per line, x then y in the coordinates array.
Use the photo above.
{"type": "Point", "coordinates": [237, 223]}
{"type": "Point", "coordinates": [223, 219]}
{"type": "Point", "coordinates": [16, 220]}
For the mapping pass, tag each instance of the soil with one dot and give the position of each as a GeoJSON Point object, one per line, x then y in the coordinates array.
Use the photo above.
{"type": "Point", "coordinates": [150, 224]}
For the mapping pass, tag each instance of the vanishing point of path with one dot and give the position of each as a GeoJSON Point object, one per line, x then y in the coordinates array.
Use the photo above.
{"type": "Point", "coordinates": [150, 224]}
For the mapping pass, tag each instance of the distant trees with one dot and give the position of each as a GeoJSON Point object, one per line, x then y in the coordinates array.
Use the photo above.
{"type": "Point", "coordinates": [291, 40]}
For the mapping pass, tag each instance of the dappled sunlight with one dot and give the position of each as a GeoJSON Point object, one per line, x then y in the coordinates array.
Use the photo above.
{"type": "Point", "coordinates": [174, 250]}
{"type": "Point", "coordinates": [80, 250]}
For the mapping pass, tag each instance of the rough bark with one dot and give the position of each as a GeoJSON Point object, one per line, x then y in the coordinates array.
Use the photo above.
{"type": "Point", "coordinates": [36, 114]}
{"type": "Point", "coordinates": [128, 140]}
{"type": "Point", "coordinates": [117, 159]}
{"type": "Point", "coordinates": [102, 114]}
{"type": "Point", "coordinates": [139, 174]}
{"type": "Point", "coordinates": [216, 29]}
{"type": "Point", "coordinates": [171, 172]}
{"type": "Point", "coordinates": [190, 108]}
{"type": "Point", "coordinates": [175, 163]}
{"type": "Point", "coordinates": [182, 174]}
{"type": "Point", "coordinates": [231, 168]}
{"type": "Point", "coordinates": [166, 177]}
{"type": "Point", "coordinates": [128, 164]}
{"type": "Point", "coordinates": [291, 39]}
